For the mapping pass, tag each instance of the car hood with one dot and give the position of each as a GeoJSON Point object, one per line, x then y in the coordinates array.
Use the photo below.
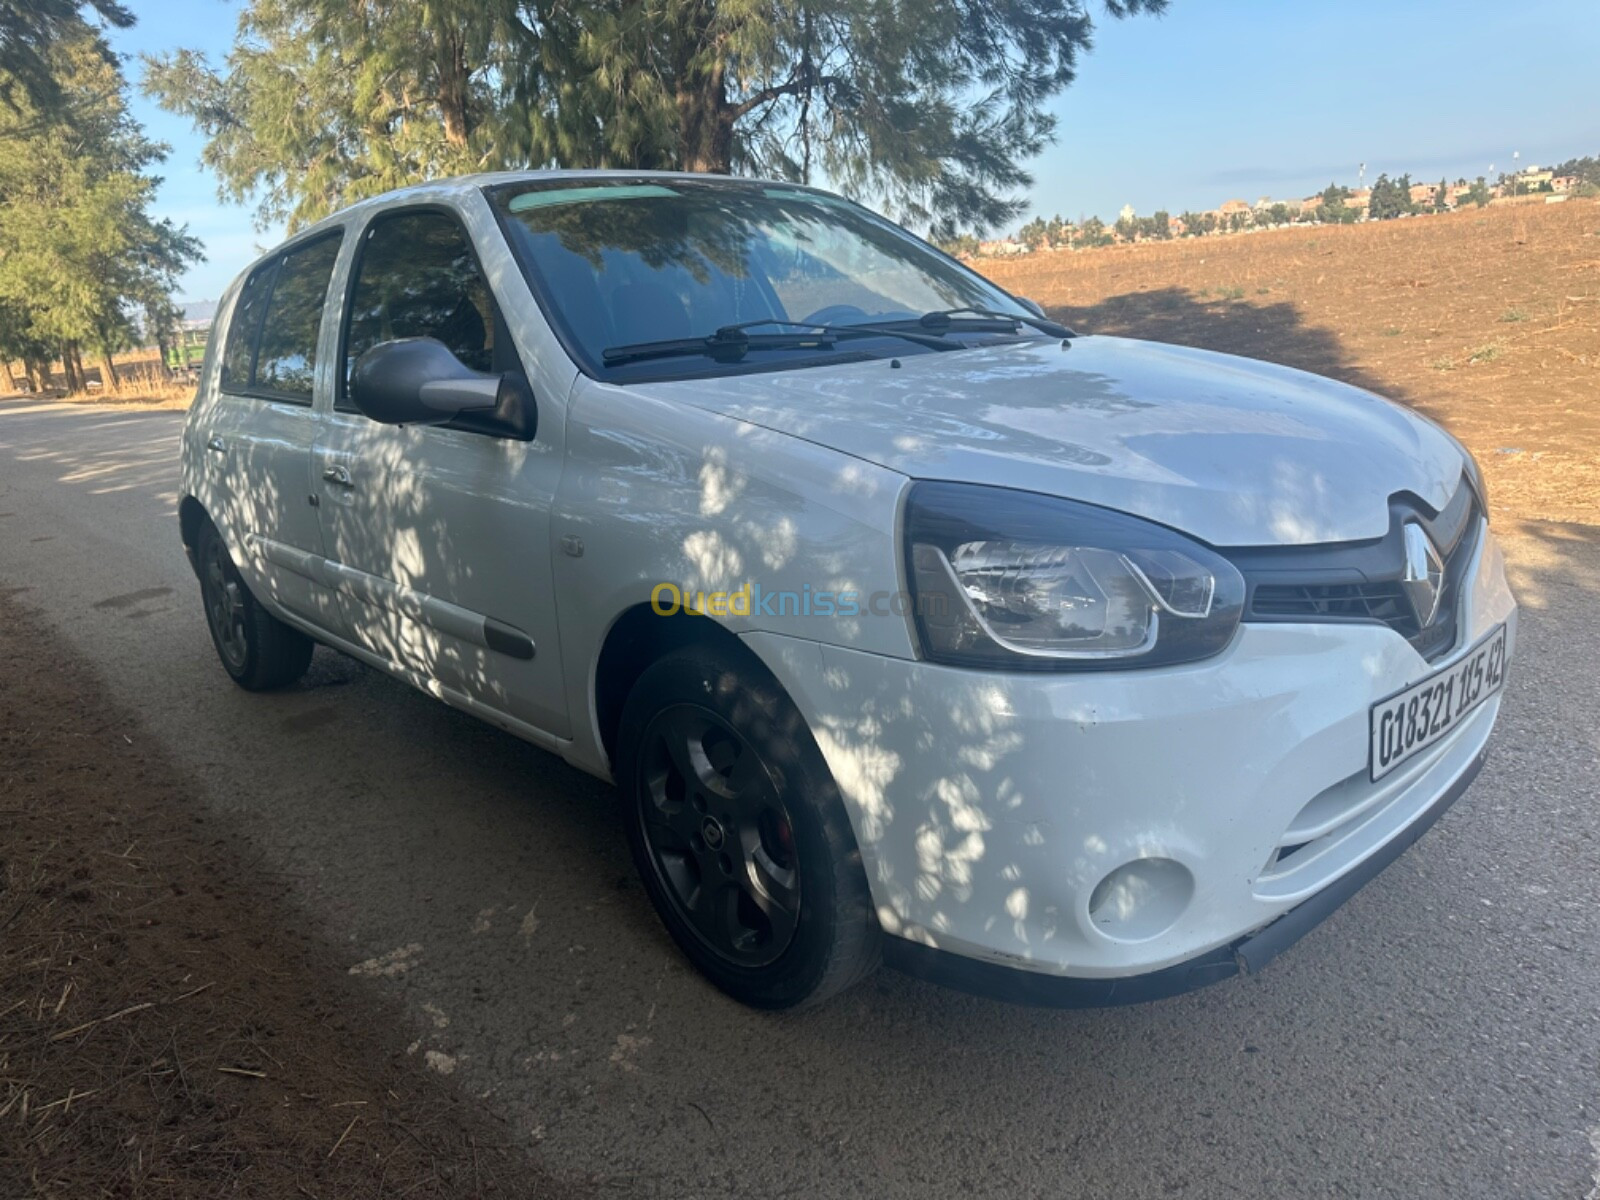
{"type": "Point", "coordinates": [1233, 451]}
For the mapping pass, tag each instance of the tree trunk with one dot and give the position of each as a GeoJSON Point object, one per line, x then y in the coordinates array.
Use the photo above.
{"type": "Point", "coordinates": [72, 368]}
{"type": "Point", "coordinates": [77, 366]}
{"type": "Point", "coordinates": [705, 118]}
{"type": "Point", "coordinates": [454, 90]}
{"type": "Point", "coordinates": [164, 349]}
{"type": "Point", "coordinates": [11, 380]}
{"type": "Point", "coordinates": [108, 369]}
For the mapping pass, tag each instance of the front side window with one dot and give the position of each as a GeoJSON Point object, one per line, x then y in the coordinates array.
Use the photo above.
{"type": "Point", "coordinates": [286, 363]}
{"type": "Point", "coordinates": [417, 277]}
{"type": "Point", "coordinates": [619, 263]}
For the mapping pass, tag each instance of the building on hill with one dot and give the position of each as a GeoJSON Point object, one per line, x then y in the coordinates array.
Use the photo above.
{"type": "Point", "coordinates": [1564, 183]}
{"type": "Point", "coordinates": [1228, 207]}
{"type": "Point", "coordinates": [1001, 248]}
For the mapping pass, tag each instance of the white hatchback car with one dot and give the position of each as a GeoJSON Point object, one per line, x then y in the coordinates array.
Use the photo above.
{"type": "Point", "coordinates": [908, 623]}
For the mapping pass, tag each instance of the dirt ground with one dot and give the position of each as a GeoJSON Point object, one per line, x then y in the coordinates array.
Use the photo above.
{"type": "Point", "coordinates": [169, 1027]}
{"type": "Point", "coordinates": [1486, 320]}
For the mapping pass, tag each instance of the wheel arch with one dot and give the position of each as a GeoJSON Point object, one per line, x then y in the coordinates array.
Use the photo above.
{"type": "Point", "coordinates": [638, 638]}
{"type": "Point", "coordinates": [192, 516]}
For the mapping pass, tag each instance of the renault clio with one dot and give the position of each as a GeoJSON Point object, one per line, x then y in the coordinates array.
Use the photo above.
{"type": "Point", "coordinates": [909, 624]}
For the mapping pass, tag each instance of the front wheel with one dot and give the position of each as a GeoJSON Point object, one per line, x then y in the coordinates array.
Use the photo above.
{"type": "Point", "coordinates": [739, 834]}
{"type": "Point", "coordinates": [257, 650]}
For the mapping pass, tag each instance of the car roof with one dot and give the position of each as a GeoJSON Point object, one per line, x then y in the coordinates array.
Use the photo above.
{"type": "Point", "coordinates": [461, 185]}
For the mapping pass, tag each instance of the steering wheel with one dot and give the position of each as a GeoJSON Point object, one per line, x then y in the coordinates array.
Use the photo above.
{"type": "Point", "coordinates": [837, 314]}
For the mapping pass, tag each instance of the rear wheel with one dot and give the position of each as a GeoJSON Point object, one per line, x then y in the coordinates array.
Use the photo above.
{"type": "Point", "coordinates": [257, 650]}
{"type": "Point", "coordinates": [739, 834]}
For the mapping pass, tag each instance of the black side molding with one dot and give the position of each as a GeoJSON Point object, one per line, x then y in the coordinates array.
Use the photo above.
{"type": "Point", "coordinates": [1246, 956]}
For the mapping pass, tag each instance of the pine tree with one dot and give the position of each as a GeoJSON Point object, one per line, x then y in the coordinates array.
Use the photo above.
{"type": "Point", "coordinates": [929, 109]}
{"type": "Point", "coordinates": [80, 255]}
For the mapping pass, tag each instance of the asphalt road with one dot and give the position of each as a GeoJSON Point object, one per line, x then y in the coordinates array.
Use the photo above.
{"type": "Point", "coordinates": [1437, 1037]}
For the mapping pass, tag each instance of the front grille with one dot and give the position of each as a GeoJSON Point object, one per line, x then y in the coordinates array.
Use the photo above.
{"type": "Point", "coordinates": [1384, 602]}
{"type": "Point", "coordinates": [1361, 581]}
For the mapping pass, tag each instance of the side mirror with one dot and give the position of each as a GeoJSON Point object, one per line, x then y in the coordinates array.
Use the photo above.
{"type": "Point", "coordinates": [417, 381]}
{"type": "Point", "coordinates": [1032, 306]}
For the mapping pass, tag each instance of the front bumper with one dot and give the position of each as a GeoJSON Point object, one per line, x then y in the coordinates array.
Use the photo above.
{"type": "Point", "coordinates": [990, 807]}
{"type": "Point", "coordinates": [1245, 956]}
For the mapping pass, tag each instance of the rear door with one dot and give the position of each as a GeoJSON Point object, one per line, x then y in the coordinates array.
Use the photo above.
{"type": "Point", "coordinates": [440, 537]}
{"type": "Point", "coordinates": [260, 440]}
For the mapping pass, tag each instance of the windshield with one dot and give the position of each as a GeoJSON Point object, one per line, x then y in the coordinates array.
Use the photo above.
{"type": "Point", "coordinates": [619, 264]}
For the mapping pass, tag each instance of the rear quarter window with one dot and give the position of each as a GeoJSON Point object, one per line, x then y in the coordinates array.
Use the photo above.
{"type": "Point", "coordinates": [272, 338]}
{"type": "Point", "coordinates": [238, 358]}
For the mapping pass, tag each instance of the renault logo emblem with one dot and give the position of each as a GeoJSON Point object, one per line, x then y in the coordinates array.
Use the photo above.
{"type": "Point", "coordinates": [1424, 577]}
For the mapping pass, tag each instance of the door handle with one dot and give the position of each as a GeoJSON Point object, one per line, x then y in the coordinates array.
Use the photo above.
{"type": "Point", "coordinates": [216, 444]}
{"type": "Point", "coordinates": [338, 474]}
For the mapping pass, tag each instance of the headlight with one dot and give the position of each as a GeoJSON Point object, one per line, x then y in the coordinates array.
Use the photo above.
{"type": "Point", "coordinates": [1027, 582]}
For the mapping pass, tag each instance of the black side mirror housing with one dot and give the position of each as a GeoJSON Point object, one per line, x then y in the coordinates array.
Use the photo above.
{"type": "Point", "coordinates": [417, 381]}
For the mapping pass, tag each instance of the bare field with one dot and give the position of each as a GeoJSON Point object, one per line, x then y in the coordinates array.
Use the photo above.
{"type": "Point", "coordinates": [1486, 320]}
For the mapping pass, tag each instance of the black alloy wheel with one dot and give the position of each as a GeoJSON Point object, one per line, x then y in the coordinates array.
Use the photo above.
{"type": "Point", "coordinates": [258, 651]}
{"type": "Point", "coordinates": [224, 595]}
{"type": "Point", "coordinates": [720, 838]}
{"type": "Point", "coordinates": [739, 832]}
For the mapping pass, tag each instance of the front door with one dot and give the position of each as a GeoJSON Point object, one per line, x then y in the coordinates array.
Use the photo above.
{"type": "Point", "coordinates": [439, 537]}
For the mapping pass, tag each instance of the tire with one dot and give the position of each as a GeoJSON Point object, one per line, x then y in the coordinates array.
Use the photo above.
{"type": "Point", "coordinates": [258, 651]}
{"type": "Point", "coordinates": [739, 834]}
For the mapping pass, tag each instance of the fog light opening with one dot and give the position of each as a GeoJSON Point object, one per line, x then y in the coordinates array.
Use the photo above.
{"type": "Point", "coordinates": [1141, 899]}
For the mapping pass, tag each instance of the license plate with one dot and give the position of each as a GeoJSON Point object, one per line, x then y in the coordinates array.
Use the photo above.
{"type": "Point", "coordinates": [1406, 724]}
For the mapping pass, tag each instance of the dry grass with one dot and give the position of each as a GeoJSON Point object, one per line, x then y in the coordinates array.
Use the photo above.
{"type": "Point", "coordinates": [141, 384]}
{"type": "Point", "coordinates": [1487, 320]}
{"type": "Point", "coordinates": [142, 391]}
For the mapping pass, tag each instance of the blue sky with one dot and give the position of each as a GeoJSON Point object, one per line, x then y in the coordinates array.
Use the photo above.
{"type": "Point", "coordinates": [1218, 99]}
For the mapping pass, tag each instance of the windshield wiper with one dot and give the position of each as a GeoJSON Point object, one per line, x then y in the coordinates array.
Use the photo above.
{"type": "Point", "coordinates": [940, 319]}
{"type": "Point", "coordinates": [730, 343]}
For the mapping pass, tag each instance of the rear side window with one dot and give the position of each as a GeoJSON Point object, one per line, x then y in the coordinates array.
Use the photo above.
{"type": "Point", "coordinates": [418, 277]}
{"type": "Point", "coordinates": [238, 360]}
{"type": "Point", "coordinates": [272, 340]}
{"type": "Point", "coordinates": [287, 359]}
